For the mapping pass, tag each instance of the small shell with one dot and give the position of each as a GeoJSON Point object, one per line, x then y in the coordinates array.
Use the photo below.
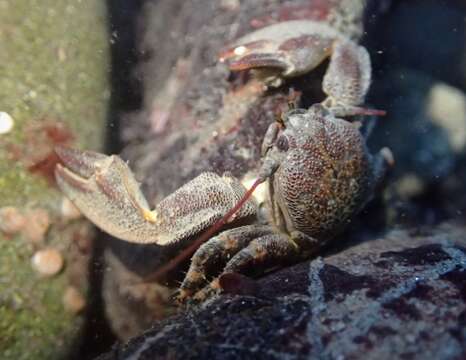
{"type": "Point", "coordinates": [73, 300]}
{"type": "Point", "coordinates": [6, 122]}
{"type": "Point", "coordinates": [47, 262]}
{"type": "Point", "coordinates": [37, 224]}
{"type": "Point", "coordinates": [11, 220]}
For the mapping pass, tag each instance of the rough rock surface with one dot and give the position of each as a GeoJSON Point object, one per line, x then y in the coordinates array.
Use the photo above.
{"type": "Point", "coordinates": [196, 117]}
{"type": "Point", "coordinates": [402, 295]}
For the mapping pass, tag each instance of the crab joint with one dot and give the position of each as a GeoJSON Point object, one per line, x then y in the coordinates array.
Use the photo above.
{"type": "Point", "coordinates": [150, 216]}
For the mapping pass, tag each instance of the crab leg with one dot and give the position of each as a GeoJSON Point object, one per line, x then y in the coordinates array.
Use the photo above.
{"type": "Point", "coordinates": [347, 80]}
{"type": "Point", "coordinates": [216, 252]}
{"type": "Point", "coordinates": [105, 190]}
{"type": "Point", "coordinates": [265, 251]}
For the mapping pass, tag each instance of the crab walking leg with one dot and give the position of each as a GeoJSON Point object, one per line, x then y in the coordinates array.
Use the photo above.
{"type": "Point", "coordinates": [261, 253]}
{"type": "Point", "coordinates": [266, 251]}
{"type": "Point", "coordinates": [216, 252]}
{"type": "Point", "coordinates": [347, 80]}
{"type": "Point", "coordinates": [105, 190]}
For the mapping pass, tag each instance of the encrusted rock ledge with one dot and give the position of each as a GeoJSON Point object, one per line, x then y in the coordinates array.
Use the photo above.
{"type": "Point", "coordinates": [402, 295]}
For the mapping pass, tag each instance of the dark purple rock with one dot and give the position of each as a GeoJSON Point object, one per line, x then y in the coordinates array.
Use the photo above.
{"type": "Point", "coordinates": [326, 308]}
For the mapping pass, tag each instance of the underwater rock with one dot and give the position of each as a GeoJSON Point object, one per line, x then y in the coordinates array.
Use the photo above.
{"type": "Point", "coordinates": [195, 116]}
{"type": "Point", "coordinates": [131, 304]}
{"type": "Point", "coordinates": [399, 296]}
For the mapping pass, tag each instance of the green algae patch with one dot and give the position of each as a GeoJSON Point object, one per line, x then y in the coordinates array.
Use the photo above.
{"type": "Point", "coordinates": [33, 323]}
{"type": "Point", "coordinates": [53, 84]}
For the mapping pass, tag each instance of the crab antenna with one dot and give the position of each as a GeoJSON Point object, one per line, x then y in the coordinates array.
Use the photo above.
{"type": "Point", "coordinates": [368, 112]}
{"type": "Point", "coordinates": [173, 263]}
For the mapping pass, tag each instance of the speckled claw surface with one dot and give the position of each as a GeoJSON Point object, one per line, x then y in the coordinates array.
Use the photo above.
{"type": "Point", "coordinates": [282, 50]}
{"type": "Point", "coordinates": [292, 48]}
{"type": "Point", "coordinates": [105, 190]}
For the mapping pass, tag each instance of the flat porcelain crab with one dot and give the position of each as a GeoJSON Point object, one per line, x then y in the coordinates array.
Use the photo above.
{"type": "Point", "coordinates": [320, 175]}
{"type": "Point", "coordinates": [291, 48]}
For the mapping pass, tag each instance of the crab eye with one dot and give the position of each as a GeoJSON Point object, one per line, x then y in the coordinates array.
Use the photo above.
{"type": "Point", "coordinates": [282, 143]}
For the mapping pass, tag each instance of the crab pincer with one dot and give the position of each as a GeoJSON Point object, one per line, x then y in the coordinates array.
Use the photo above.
{"type": "Point", "coordinates": [293, 48]}
{"type": "Point", "coordinates": [106, 191]}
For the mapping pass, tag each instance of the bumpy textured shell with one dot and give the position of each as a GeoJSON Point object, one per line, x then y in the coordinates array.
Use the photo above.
{"type": "Point", "coordinates": [325, 178]}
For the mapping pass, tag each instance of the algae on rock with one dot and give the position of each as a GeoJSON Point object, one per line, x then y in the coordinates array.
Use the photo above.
{"type": "Point", "coordinates": [53, 83]}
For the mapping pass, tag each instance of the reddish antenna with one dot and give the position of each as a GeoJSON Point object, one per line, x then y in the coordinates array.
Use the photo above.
{"type": "Point", "coordinates": [183, 255]}
{"type": "Point", "coordinates": [368, 112]}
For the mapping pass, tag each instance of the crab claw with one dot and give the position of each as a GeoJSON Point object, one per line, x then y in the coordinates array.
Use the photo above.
{"type": "Point", "coordinates": [255, 54]}
{"type": "Point", "coordinates": [105, 190]}
{"type": "Point", "coordinates": [282, 50]}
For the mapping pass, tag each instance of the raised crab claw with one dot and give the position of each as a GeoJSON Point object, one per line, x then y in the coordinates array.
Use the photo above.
{"type": "Point", "coordinates": [292, 48]}
{"type": "Point", "coordinates": [320, 175]}
{"type": "Point", "coordinates": [105, 190]}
